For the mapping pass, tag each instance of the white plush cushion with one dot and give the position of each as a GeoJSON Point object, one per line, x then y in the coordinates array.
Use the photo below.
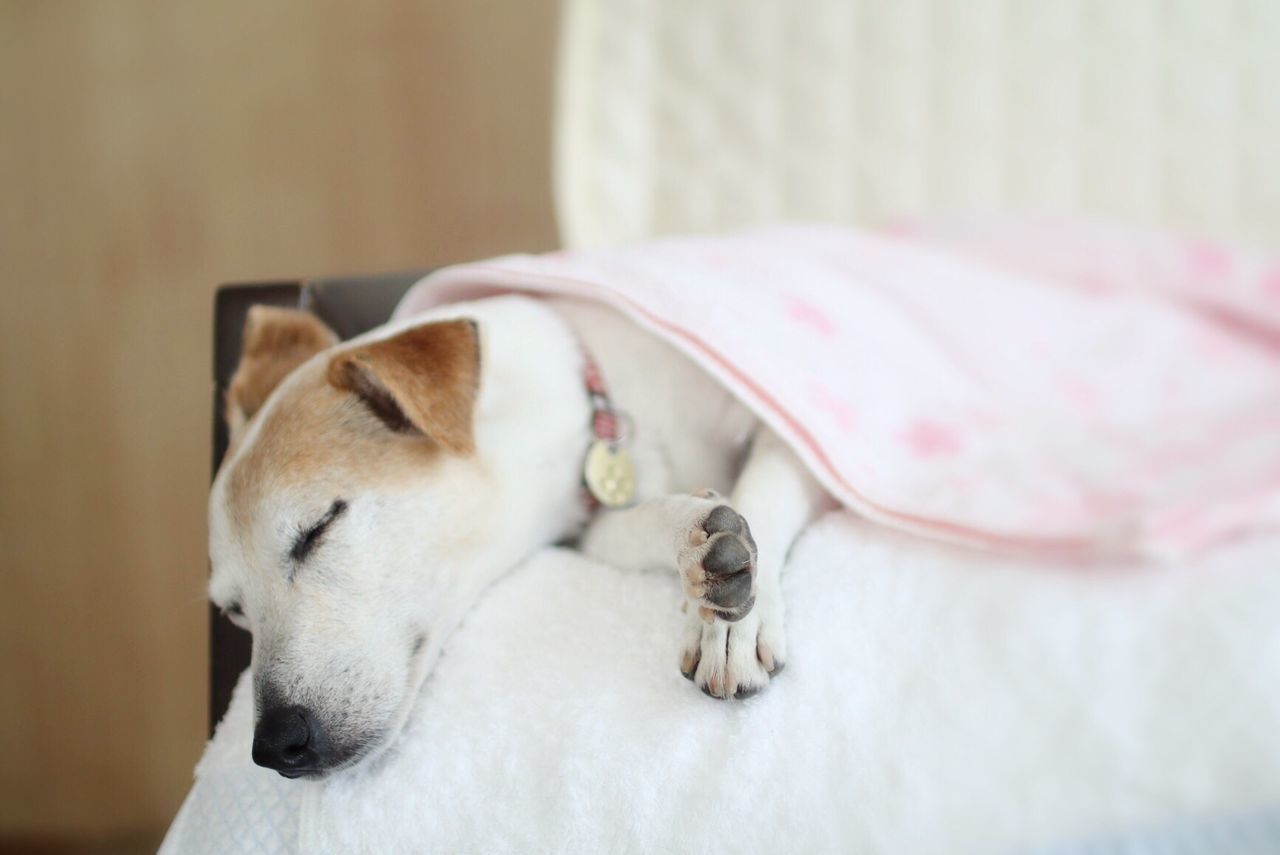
{"type": "Point", "coordinates": [937, 699]}
{"type": "Point", "coordinates": [678, 117]}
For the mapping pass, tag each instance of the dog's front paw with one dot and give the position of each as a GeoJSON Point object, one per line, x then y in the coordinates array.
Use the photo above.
{"type": "Point", "coordinates": [734, 641]}
{"type": "Point", "coordinates": [717, 561]}
{"type": "Point", "coordinates": [735, 660]}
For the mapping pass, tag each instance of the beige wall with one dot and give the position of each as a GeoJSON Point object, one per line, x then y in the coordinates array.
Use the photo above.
{"type": "Point", "coordinates": [149, 150]}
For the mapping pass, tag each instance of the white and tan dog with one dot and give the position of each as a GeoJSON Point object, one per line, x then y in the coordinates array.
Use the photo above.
{"type": "Point", "coordinates": [374, 488]}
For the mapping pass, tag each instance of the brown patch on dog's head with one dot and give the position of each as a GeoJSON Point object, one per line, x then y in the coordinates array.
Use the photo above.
{"type": "Point", "coordinates": [275, 342]}
{"type": "Point", "coordinates": [422, 380]}
{"type": "Point", "coordinates": [374, 413]}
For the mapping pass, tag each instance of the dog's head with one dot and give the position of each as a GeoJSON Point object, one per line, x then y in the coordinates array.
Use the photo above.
{"type": "Point", "coordinates": [349, 497]}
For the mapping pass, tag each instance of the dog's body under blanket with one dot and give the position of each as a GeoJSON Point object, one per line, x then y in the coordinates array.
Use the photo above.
{"type": "Point", "coordinates": [1061, 388]}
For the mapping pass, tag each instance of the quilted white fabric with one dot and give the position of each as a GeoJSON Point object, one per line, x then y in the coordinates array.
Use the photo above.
{"type": "Point", "coordinates": [235, 806]}
{"type": "Point", "coordinates": [691, 117]}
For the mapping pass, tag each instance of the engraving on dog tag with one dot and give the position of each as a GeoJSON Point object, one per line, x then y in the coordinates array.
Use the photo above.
{"type": "Point", "coordinates": [609, 474]}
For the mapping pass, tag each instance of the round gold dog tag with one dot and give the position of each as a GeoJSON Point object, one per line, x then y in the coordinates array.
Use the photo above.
{"type": "Point", "coordinates": [609, 474]}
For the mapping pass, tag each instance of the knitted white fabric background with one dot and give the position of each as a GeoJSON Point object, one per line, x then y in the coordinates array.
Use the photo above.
{"type": "Point", "coordinates": [679, 117]}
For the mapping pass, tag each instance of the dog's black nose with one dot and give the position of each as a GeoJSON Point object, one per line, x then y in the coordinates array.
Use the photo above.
{"type": "Point", "coordinates": [288, 739]}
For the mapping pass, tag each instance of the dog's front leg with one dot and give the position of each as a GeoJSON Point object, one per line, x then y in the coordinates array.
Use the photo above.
{"type": "Point", "coordinates": [778, 496]}
{"type": "Point", "coordinates": [735, 637]}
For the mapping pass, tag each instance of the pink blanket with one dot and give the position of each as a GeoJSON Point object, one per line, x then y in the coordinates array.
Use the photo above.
{"type": "Point", "coordinates": [1014, 385]}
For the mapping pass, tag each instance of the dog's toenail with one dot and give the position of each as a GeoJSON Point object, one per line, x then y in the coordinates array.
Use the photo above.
{"type": "Point", "coordinates": [697, 537]}
{"type": "Point", "coordinates": [745, 692]}
{"type": "Point", "coordinates": [765, 655]}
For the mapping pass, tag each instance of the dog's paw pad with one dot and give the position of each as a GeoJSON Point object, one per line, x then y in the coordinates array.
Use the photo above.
{"type": "Point", "coordinates": [719, 565]}
{"type": "Point", "coordinates": [727, 555]}
{"type": "Point", "coordinates": [724, 518]}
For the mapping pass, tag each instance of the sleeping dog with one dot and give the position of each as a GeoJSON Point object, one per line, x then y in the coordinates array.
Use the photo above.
{"type": "Point", "coordinates": [373, 489]}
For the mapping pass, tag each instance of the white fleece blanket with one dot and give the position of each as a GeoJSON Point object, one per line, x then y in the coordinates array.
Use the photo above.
{"type": "Point", "coordinates": [937, 700]}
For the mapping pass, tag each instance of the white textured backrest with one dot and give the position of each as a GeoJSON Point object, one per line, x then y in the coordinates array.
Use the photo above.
{"type": "Point", "coordinates": [706, 114]}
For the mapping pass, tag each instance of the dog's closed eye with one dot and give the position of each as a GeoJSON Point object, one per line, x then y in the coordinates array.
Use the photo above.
{"type": "Point", "coordinates": [309, 538]}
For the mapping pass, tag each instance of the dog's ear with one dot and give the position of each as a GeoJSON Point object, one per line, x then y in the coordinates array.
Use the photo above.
{"type": "Point", "coordinates": [275, 342]}
{"type": "Point", "coordinates": [422, 380]}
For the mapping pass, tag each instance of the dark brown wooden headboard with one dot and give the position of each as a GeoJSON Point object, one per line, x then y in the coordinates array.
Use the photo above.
{"type": "Point", "coordinates": [350, 305]}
